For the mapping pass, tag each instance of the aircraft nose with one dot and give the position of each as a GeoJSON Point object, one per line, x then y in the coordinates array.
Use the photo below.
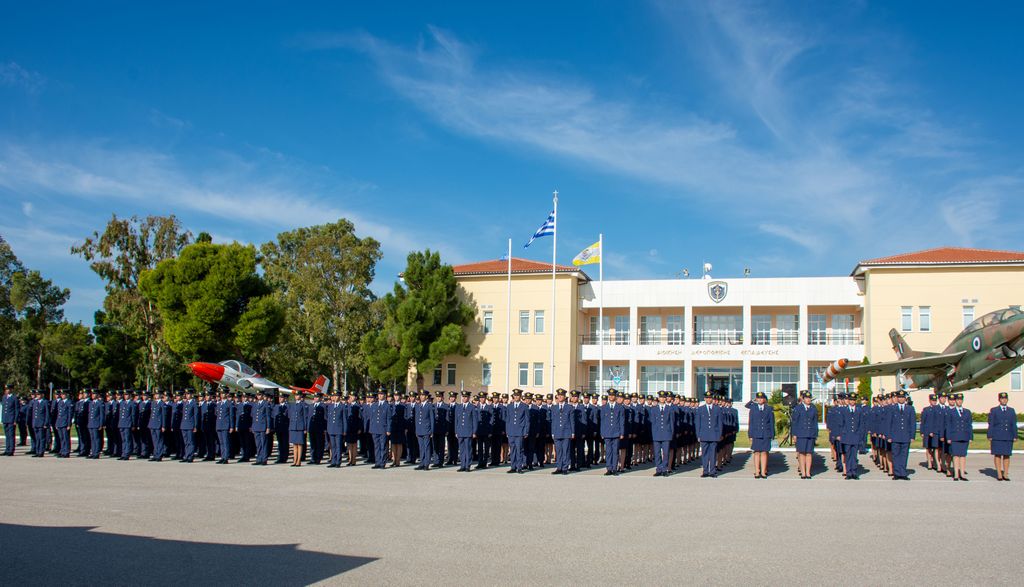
{"type": "Point", "coordinates": [207, 371]}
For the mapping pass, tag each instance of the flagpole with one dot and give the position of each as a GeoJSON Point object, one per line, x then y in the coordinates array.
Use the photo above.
{"type": "Point", "coordinates": [600, 311]}
{"type": "Point", "coordinates": [554, 256]}
{"type": "Point", "coordinates": [508, 320]}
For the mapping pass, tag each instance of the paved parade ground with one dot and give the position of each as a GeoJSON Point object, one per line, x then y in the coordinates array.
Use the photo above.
{"type": "Point", "coordinates": [114, 523]}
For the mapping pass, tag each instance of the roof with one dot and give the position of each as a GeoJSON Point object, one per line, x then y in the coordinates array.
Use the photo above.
{"type": "Point", "coordinates": [500, 267]}
{"type": "Point", "coordinates": [946, 256]}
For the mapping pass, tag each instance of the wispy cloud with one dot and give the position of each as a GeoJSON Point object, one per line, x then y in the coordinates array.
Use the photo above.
{"type": "Point", "coordinates": [16, 76]}
{"type": "Point", "coordinates": [847, 150]}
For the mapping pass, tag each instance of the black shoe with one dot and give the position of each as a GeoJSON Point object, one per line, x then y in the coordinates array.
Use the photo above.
{"type": "Point", "coordinates": [702, 475]}
{"type": "Point", "coordinates": [510, 471]}
{"type": "Point", "coordinates": [608, 474]}
{"type": "Point", "coordinates": [658, 474]}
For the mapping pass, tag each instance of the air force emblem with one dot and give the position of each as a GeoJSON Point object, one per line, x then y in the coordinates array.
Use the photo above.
{"type": "Point", "coordinates": [717, 290]}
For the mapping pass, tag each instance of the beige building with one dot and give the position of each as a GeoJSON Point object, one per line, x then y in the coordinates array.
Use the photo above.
{"type": "Point", "coordinates": [735, 336]}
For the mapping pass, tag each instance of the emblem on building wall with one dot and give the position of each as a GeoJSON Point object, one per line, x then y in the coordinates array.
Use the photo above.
{"type": "Point", "coordinates": [717, 290]}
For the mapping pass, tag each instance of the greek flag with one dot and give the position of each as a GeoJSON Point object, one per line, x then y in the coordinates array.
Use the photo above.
{"type": "Point", "coordinates": [546, 229]}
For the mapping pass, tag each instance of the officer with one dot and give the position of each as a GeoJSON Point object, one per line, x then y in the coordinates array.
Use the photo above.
{"type": "Point", "coordinates": [761, 430]}
{"type": "Point", "coordinates": [9, 418]}
{"type": "Point", "coordinates": [708, 424]}
{"type": "Point", "coordinates": [127, 421]}
{"type": "Point", "coordinates": [262, 427]}
{"type": "Point", "coordinates": [484, 430]}
{"type": "Point", "coordinates": [40, 416]}
{"type": "Point", "coordinates": [959, 433]}
{"type": "Point", "coordinates": [188, 425]}
{"type": "Point", "coordinates": [850, 433]}
{"type": "Point", "coordinates": [562, 417]}
{"type": "Point", "coordinates": [159, 420]}
{"type": "Point", "coordinates": [281, 425]}
{"type": "Point", "coordinates": [396, 429]}
{"type": "Point", "coordinates": [353, 411]}
{"type": "Point", "coordinates": [517, 428]}
{"type": "Point", "coordinates": [612, 429]}
{"type": "Point", "coordinates": [225, 425]}
{"type": "Point", "coordinates": [901, 430]}
{"type": "Point", "coordinates": [95, 421]}
{"type": "Point", "coordinates": [317, 429]}
{"type": "Point", "coordinates": [65, 416]}
{"type": "Point", "coordinates": [1002, 431]}
{"type": "Point", "coordinates": [804, 429]}
{"type": "Point", "coordinates": [441, 423]}
{"type": "Point", "coordinates": [380, 428]}
{"type": "Point", "coordinates": [172, 417]}
{"type": "Point", "coordinates": [336, 421]}
{"type": "Point", "coordinates": [145, 438]}
{"type": "Point", "coordinates": [663, 419]}
{"type": "Point", "coordinates": [298, 424]}
{"type": "Point", "coordinates": [466, 416]}
{"type": "Point", "coordinates": [929, 439]}
{"type": "Point", "coordinates": [423, 416]}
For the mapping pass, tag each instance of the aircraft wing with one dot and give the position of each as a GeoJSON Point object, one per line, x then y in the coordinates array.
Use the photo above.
{"type": "Point", "coordinates": [917, 365]}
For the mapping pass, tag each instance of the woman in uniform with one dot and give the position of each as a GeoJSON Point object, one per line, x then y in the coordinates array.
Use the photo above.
{"type": "Point", "coordinates": [959, 433]}
{"type": "Point", "coordinates": [298, 422]}
{"type": "Point", "coordinates": [1002, 431]}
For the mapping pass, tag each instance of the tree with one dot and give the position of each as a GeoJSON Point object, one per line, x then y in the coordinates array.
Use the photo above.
{"type": "Point", "coordinates": [120, 255]}
{"type": "Point", "coordinates": [422, 321]}
{"type": "Point", "coordinates": [213, 302]}
{"type": "Point", "coordinates": [864, 385]}
{"type": "Point", "coordinates": [41, 305]}
{"type": "Point", "coordinates": [9, 351]}
{"type": "Point", "coordinates": [321, 275]}
{"type": "Point", "coordinates": [116, 354]}
{"type": "Point", "coordinates": [71, 349]}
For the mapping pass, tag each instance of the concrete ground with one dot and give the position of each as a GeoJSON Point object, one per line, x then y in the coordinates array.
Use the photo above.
{"type": "Point", "coordinates": [101, 522]}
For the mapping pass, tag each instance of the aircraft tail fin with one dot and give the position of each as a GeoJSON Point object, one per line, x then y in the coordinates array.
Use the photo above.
{"type": "Point", "coordinates": [902, 348]}
{"type": "Point", "coordinates": [322, 384]}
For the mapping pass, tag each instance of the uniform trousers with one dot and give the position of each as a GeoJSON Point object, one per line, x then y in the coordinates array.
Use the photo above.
{"type": "Point", "coordinates": [95, 441]}
{"type": "Point", "coordinates": [38, 441]}
{"type": "Point", "coordinates": [380, 449]}
{"type": "Point", "coordinates": [335, 440]}
{"type": "Point", "coordinates": [9, 438]}
{"type": "Point", "coordinates": [516, 458]}
{"type": "Point", "coordinates": [900, 452]}
{"type": "Point", "coordinates": [850, 452]}
{"type": "Point", "coordinates": [563, 457]}
{"type": "Point", "coordinates": [158, 443]}
{"type": "Point", "coordinates": [225, 444]}
{"type": "Point", "coordinates": [611, 453]}
{"type": "Point", "coordinates": [126, 442]}
{"type": "Point", "coordinates": [465, 451]}
{"type": "Point", "coordinates": [188, 442]}
{"type": "Point", "coordinates": [708, 449]}
{"type": "Point", "coordinates": [426, 449]}
{"type": "Point", "coordinates": [661, 452]}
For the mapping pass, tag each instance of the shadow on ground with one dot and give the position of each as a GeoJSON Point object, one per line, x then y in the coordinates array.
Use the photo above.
{"type": "Point", "coordinates": [49, 555]}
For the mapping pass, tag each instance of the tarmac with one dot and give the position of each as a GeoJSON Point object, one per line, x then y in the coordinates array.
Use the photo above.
{"type": "Point", "coordinates": [108, 522]}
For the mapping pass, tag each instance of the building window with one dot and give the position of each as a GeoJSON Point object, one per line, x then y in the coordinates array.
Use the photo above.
{"type": "Point", "coordinates": [622, 330]}
{"type": "Point", "coordinates": [1015, 379]}
{"type": "Point", "coordinates": [485, 377]}
{"type": "Point", "coordinates": [787, 326]}
{"type": "Point", "coordinates": [655, 378]}
{"type": "Point", "coordinates": [650, 330]}
{"type": "Point", "coordinates": [595, 334]}
{"type": "Point", "coordinates": [907, 318]}
{"type": "Point", "coordinates": [538, 374]}
{"type": "Point", "coordinates": [524, 322]}
{"type": "Point", "coordinates": [769, 378]}
{"type": "Point", "coordinates": [437, 375]}
{"type": "Point", "coordinates": [524, 374]}
{"type": "Point", "coordinates": [761, 329]}
{"type": "Point", "coordinates": [816, 333]}
{"type": "Point", "coordinates": [968, 315]}
{"type": "Point", "coordinates": [610, 372]}
{"type": "Point", "coordinates": [451, 373]}
{"type": "Point", "coordinates": [674, 325]}
{"type": "Point", "coordinates": [924, 318]}
{"type": "Point", "coordinates": [488, 322]}
{"type": "Point", "coordinates": [725, 380]}
{"type": "Point", "coordinates": [538, 322]}
{"type": "Point", "coordinates": [842, 329]}
{"type": "Point", "coordinates": [718, 329]}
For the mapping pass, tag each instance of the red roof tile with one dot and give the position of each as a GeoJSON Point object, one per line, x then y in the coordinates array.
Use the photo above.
{"type": "Point", "coordinates": [950, 255]}
{"type": "Point", "coordinates": [500, 266]}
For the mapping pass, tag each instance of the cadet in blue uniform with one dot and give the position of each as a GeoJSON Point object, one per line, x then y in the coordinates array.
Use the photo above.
{"type": "Point", "coordinates": [465, 419]}
{"type": "Point", "coordinates": [380, 428]}
{"type": "Point", "coordinates": [127, 421]}
{"type": "Point", "coordinates": [928, 438]}
{"type": "Point", "coordinates": [850, 434]}
{"type": "Point", "coordinates": [901, 430]}
{"type": "Point", "coordinates": [1002, 431]}
{"type": "Point", "coordinates": [40, 415]}
{"type": "Point", "coordinates": [82, 424]}
{"type": "Point", "coordinates": [423, 424]}
{"type": "Point", "coordinates": [613, 430]}
{"type": "Point", "coordinates": [517, 427]}
{"type": "Point", "coordinates": [281, 426]}
{"type": "Point", "coordinates": [396, 431]}
{"type": "Point", "coordinates": [158, 417]}
{"type": "Point", "coordinates": [662, 418]}
{"type": "Point", "coordinates": [225, 425]}
{"type": "Point", "coordinates": [484, 430]}
{"type": "Point", "coordinates": [761, 430]}
{"type": "Point", "coordinates": [9, 418]}
{"type": "Point", "coordinates": [263, 427]}
{"type": "Point", "coordinates": [62, 424]}
{"type": "Point", "coordinates": [298, 423]}
{"type": "Point", "coordinates": [709, 432]}
{"type": "Point", "coordinates": [317, 429]}
{"type": "Point", "coordinates": [959, 432]}
{"type": "Point", "coordinates": [95, 422]}
{"type": "Point", "coordinates": [336, 422]}
{"type": "Point", "coordinates": [804, 429]}
{"type": "Point", "coordinates": [563, 430]}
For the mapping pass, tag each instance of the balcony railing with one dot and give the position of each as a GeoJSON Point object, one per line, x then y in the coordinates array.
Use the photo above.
{"type": "Point", "coordinates": [592, 386]}
{"type": "Point", "coordinates": [718, 337]}
{"type": "Point", "coordinates": [780, 337]}
{"type": "Point", "coordinates": [657, 337]}
{"type": "Point", "coordinates": [821, 337]}
{"type": "Point", "coordinates": [610, 338]}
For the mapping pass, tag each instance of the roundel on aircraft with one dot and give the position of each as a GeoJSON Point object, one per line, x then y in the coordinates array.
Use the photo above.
{"type": "Point", "coordinates": [976, 343]}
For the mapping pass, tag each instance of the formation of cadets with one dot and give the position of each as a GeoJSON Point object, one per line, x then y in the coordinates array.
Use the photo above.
{"type": "Point", "coordinates": [572, 431]}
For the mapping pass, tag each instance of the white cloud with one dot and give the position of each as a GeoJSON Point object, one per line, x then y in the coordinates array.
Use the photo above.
{"type": "Point", "coordinates": [16, 76]}
{"type": "Point", "coordinates": [26, 209]}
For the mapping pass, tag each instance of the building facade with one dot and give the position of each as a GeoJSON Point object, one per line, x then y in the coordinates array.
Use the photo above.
{"type": "Point", "coordinates": [734, 336]}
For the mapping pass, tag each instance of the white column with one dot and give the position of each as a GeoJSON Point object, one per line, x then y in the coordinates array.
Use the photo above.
{"type": "Point", "coordinates": [688, 375]}
{"type": "Point", "coordinates": [802, 331]}
{"type": "Point", "coordinates": [747, 338]}
{"type": "Point", "coordinates": [688, 325]}
{"type": "Point", "coordinates": [804, 383]}
{"type": "Point", "coordinates": [747, 383]}
{"type": "Point", "coordinates": [634, 341]}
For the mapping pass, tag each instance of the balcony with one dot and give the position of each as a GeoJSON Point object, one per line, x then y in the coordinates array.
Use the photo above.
{"type": "Point", "coordinates": [592, 387]}
{"type": "Point", "coordinates": [614, 338]}
{"type": "Point", "coordinates": [708, 337]}
{"type": "Point", "coordinates": [836, 337]}
{"type": "Point", "coordinates": [779, 337]}
{"type": "Point", "coordinates": [657, 337]}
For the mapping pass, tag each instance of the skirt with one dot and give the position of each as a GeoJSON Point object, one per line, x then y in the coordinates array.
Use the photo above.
{"type": "Point", "coordinates": [958, 448]}
{"type": "Point", "coordinates": [296, 437]}
{"type": "Point", "coordinates": [805, 445]}
{"type": "Point", "coordinates": [760, 444]}
{"type": "Point", "coordinates": [932, 442]}
{"type": "Point", "coordinates": [1002, 448]}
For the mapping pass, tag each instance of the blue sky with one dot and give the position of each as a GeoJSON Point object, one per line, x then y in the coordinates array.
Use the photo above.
{"type": "Point", "coordinates": [791, 138]}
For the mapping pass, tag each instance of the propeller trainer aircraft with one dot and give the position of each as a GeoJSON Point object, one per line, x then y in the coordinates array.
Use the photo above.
{"type": "Point", "coordinates": [238, 375]}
